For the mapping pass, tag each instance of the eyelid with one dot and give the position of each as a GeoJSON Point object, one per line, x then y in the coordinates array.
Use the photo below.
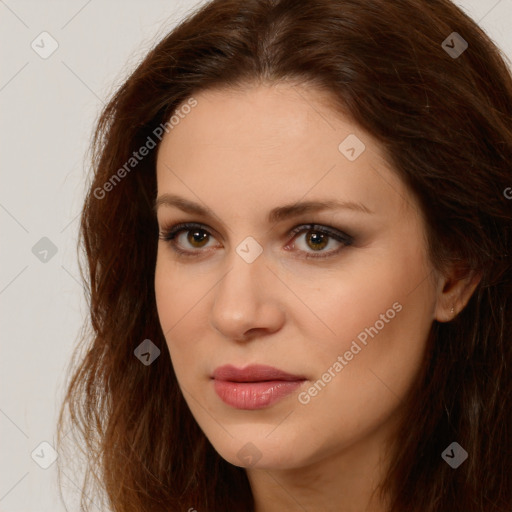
{"type": "Point", "coordinates": [168, 234]}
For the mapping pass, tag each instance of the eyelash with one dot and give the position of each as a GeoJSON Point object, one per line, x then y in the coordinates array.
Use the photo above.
{"type": "Point", "coordinates": [169, 235]}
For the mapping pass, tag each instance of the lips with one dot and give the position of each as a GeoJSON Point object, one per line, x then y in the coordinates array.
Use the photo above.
{"type": "Point", "coordinates": [253, 373]}
{"type": "Point", "coordinates": [253, 387]}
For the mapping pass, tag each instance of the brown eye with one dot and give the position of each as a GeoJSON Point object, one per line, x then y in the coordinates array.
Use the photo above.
{"type": "Point", "coordinates": [196, 237]}
{"type": "Point", "coordinates": [192, 244]}
{"type": "Point", "coordinates": [316, 240]}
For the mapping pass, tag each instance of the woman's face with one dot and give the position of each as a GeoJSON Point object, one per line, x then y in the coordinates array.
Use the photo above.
{"type": "Point", "coordinates": [340, 312]}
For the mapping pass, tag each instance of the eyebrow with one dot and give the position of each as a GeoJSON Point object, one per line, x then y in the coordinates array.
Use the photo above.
{"type": "Point", "coordinates": [277, 214]}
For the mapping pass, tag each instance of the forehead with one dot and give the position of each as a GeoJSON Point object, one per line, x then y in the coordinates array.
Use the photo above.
{"type": "Point", "coordinates": [260, 117]}
{"type": "Point", "coordinates": [276, 143]}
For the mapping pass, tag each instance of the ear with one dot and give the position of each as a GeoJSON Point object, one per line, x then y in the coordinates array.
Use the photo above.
{"type": "Point", "coordinates": [454, 291]}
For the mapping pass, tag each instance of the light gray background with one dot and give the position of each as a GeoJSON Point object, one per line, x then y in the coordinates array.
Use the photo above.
{"type": "Point", "coordinates": [48, 109]}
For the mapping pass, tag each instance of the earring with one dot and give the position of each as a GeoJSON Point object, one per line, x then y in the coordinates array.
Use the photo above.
{"type": "Point", "coordinates": [452, 310]}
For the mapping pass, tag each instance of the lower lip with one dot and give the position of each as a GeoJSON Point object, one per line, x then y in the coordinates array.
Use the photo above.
{"type": "Point", "coordinates": [254, 395]}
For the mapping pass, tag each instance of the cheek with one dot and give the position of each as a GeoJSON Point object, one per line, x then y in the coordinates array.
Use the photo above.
{"type": "Point", "coordinates": [379, 317]}
{"type": "Point", "coordinates": [178, 291]}
{"type": "Point", "coordinates": [177, 301]}
{"type": "Point", "coordinates": [362, 375]}
{"type": "Point", "coordinates": [183, 298]}
{"type": "Point", "coordinates": [168, 302]}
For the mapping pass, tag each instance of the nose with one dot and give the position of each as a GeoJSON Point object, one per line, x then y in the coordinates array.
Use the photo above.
{"type": "Point", "coordinates": [247, 300]}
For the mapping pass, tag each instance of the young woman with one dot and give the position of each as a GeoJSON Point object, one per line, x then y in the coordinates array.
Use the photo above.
{"type": "Point", "coordinates": [298, 239]}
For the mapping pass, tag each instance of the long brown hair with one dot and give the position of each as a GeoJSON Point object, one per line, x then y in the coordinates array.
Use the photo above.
{"type": "Point", "coordinates": [445, 120]}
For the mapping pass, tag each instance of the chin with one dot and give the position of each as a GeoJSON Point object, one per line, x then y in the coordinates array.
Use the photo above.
{"type": "Point", "coordinates": [251, 449]}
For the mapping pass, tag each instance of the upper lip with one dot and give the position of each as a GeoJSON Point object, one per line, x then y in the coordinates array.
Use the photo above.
{"type": "Point", "coordinates": [253, 373]}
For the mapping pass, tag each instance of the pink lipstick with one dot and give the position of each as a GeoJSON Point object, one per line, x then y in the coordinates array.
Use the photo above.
{"type": "Point", "coordinates": [253, 387]}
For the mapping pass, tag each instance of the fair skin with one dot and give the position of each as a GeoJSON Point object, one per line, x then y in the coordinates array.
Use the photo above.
{"type": "Point", "coordinates": [242, 153]}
